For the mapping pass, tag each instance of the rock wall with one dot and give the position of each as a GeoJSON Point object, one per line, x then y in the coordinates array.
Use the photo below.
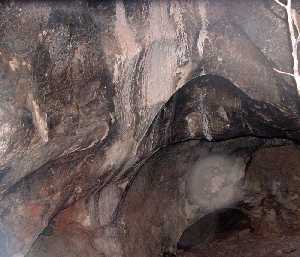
{"type": "Point", "coordinates": [90, 90]}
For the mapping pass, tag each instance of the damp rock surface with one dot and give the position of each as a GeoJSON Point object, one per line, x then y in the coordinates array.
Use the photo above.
{"type": "Point", "coordinates": [90, 90]}
{"type": "Point", "coordinates": [274, 214]}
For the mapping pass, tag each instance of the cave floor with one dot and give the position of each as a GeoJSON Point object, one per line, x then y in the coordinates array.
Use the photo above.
{"type": "Point", "coordinates": [246, 244]}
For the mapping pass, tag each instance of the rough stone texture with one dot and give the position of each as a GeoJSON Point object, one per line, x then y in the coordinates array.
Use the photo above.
{"type": "Point", "coordinates": [272, 203]}
{"type": "Point", "coordinates": [164, 198]}
{"type": "Point", "coordinates": [278, 204]}
{"type": "Point", "coordinates": [90, 90]}
{"type": "Point", "coordinates": [287, 246]}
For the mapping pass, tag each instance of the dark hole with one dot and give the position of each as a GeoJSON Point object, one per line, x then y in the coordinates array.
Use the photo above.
{"type": "Point", "coordinates": [214, 225]}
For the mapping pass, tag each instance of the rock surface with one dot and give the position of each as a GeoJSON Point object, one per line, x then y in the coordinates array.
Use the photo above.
{"type": "Point", "coordinates": [272, 205]}
{"type": "Point", "coordinates": [90, 90]}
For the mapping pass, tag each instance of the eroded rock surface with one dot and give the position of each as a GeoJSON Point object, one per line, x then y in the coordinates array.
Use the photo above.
{"type": "Point", "coordinates": [91, 89]}
{"type": "Point", "coordinates": [272, 204]}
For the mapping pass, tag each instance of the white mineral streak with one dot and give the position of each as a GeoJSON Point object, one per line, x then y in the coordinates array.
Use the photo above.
{"type": "Point", "coordinates": [5, 131]}
{"type": "Point", "coordinates": [93, 143]}
{"type": "Point", "coordinates": [160, 25]}
{"type": "Point", "coordinates": [118, 153]}
{"type": "Point", "coordinates": [125, 35]}
{"type": "Point", "coordinates": [124, 67]}
{"type": "Point", "coordinates": [182, 50]}
{"type": "Point", "coordinates": [203, 34]}
{"type": "Point", "coordinates": [14, 64]}
{"type": "Point", "coordinates": [294, 30]}
{"type": "Point", "coordinates": [39, 119]}
{"type": "Point", "coordinates": [118, 68]}
{"type": "Point", "coordinates": [165, 62]}
{"type": "Point", "coordinates": [123, 72]}
{"type": "Point", "coordinates": [205, 120]}
{"type": "Point", "coordinates": [158, 79]}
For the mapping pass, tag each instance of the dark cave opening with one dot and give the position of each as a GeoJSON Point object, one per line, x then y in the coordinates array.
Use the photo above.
{"type": "Point", "coordinates": [213, 226]}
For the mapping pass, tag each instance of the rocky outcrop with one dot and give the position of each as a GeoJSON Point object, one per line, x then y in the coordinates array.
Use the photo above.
{"type": "Point", "coordinates": [91, 90]}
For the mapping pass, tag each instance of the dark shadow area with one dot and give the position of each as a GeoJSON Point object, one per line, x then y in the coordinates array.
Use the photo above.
{"type": "Point", "coordinates": [212, 226]}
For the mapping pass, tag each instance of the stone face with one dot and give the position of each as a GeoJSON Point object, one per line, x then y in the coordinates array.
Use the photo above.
{"type": "Point", "coordinates": [90, 90]}
{"type": "Point", "coordinates": [167, 196]}
{"type": "Point", "coordinates": [278, 202]}
{"type": "Point", "coordinates": [270, 202]}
